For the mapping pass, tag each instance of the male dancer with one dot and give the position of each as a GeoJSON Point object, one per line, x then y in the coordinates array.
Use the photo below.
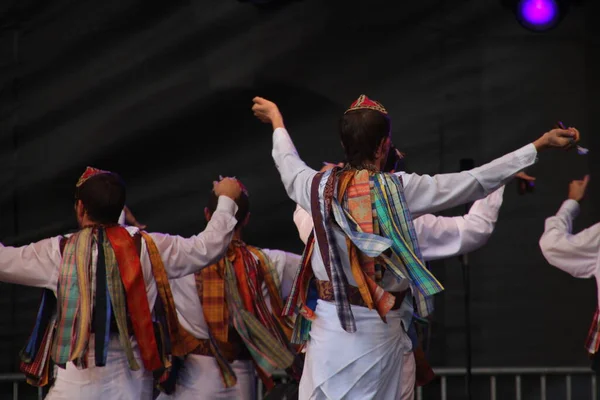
{"type": "Point", "coordinates": [576, 254]}
{"type": "Point", "coordinates": [101, 284]}
{"type": "Point", "coordinates": [363, 228]}
{"type": "Point", "coordinates": [233, 311]}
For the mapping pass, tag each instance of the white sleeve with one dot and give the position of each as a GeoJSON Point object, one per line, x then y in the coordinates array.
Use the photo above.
{"type": "Point", "coordinates": [427, 194]}
{"type": "Point", "coordinates": [295, 174]}
{"type": "Point", "coordinates": [184, 256]}
{"type": "Point", "coordinates": [574, 254]}
{"type": "Point", "coordinates": [304, 223]}
{"type": "Point", "coordinates": [286, 264]}
{"type": "Point", "coordinates": [443, 237]}
{"type": "Point", "coordinates": [35, 265]}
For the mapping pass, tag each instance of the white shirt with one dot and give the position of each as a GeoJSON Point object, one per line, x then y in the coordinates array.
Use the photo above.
{"type": "Point", "coordinates": [189, 308]}
{"type": "Point", "coordinates": [440, 237]}
{"type": "Point", "coordinates": [423, 193]}
{"type": "Point", "coordinates": [38, 264]}
{"type": "Point", "coordinates": [577, 255]}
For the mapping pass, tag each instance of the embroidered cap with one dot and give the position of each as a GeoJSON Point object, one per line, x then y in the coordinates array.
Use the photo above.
{"type": "Point", "coordinates": [364, 103]}
{"type": "Point", "coordinates": [90, 172]}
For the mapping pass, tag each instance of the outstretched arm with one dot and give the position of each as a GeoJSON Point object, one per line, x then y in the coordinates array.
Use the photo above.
{"type": "Point", "coordinates": [578, 255]}
{"type": "Point", "coordinates": [35, 265]}
{"type": "Point", "coordinates": [184, 256]}
{"type": "Point", "coordinates": [443, 237]}
{"type": "Point", "coordinates": [427, 194]}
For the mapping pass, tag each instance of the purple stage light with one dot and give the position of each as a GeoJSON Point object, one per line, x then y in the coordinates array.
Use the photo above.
{"type": "Point", "coordinates": [538, 15]}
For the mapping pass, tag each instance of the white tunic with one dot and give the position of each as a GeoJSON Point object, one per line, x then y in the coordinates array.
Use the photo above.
{"type": "Point", "coordinates": [361, 371]}
{"type": "Point", "coordinates": [38, 265]}
{"type": "Point", "coordinates": [576, 254]}
{"type": "Point", "coordinates": [200, 378]}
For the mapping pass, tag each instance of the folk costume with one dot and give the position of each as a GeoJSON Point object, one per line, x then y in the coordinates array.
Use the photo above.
{"type": "Point", "coordinates": [107, 303]}
{"type": "Point", "coordinates": [367, 264]}
{"type": "Point", "coordinates": [578, 255]}
{"type": "Point", "coordinates": [438, 237]}
{"type": "Point", "coordinates": [233, 312]}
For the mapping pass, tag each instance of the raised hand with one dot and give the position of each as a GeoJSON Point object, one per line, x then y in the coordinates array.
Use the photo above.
{"type": "Point", "coordinates": [131, 220]}
{"type": "Point", "coordinates": [577, 188]}
{"type": "Point", "coordinates": [525, 183]}
{"type": "Point", "coordinates": [267, 112]}
{"type": "Point", "coordinates": [229, 187]}
{"type": "Point", "coordinates": [559, 138]}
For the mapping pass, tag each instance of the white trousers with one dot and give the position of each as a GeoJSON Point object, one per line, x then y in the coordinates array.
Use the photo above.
{"type": "Point", "coordinates": [115, 381]}
{"type": "Point", "coordinates": [363, 365]}
{"type": "Point", "coordinates": [200, 379]}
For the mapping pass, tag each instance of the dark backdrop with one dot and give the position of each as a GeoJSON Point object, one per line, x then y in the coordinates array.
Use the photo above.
{"type": "Point", "coordinates": [160, 91]}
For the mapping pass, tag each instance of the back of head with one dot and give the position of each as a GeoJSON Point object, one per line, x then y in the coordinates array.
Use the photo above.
{"type": "Point", "coordinates": [362, 129]}
{"type": "Point", "coordinates": [103, 196]}
{"type": "Point", "coordinates": [243, 203]}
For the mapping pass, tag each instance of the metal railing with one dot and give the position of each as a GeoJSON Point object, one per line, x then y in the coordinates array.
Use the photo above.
{"type": "Point", "coordinates": [518, 373]}
{"type": "Point", "coordinates": [443, 374]}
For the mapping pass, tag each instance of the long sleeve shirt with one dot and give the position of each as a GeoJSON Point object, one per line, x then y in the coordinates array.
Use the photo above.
{"type": "Point", "coordinates": [38, 264]}
{"type": "Point", "coordinates": [423, 193]}
{"type": "Point", "coordinates": [440, 237]}
{"type": "Point", "coordinates": [189, 307]}
{"type": "Point", "coordinates": [576, 254]}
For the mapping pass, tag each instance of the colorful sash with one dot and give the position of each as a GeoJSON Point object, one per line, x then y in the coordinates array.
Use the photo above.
{"type": "Point", "coordinates": [122, 282]}
{"type": "Point", "coordinates": [371, 211]}
{"type": "Point", "coordinates": [231, 290]}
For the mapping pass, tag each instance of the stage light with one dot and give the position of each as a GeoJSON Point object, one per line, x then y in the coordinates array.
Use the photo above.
{"type": "Point", "coordinates": [538, 15]}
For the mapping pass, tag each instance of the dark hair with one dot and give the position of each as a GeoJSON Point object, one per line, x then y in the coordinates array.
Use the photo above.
{"type": "Point", "coordinates": [361, 132]}
{"type": "Point", "coordinates": [243, 203]}
{"type": "Point", "coordinates": [103, 197]}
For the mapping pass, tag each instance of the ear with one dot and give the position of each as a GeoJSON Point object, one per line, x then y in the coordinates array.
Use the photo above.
{"type": "Point", "coordinates": [383, 146]}
{"type": "Point", "coordinates": [207, 214]}
{"type": "Point", "coordinates": [246, 220]}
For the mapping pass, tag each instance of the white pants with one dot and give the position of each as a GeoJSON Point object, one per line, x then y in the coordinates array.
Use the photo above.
{"type": "Point", "coordinates": [200, 379]}
{"type": "Point", "coordinates": [363, 365]}
{"type": "Point", "coordinates": [409, 371]}
{"type": "Point", "coordinates": [115, 381]}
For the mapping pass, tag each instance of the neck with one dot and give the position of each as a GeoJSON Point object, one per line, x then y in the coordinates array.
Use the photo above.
{"type": "Point", "coordinates": [237, 234]}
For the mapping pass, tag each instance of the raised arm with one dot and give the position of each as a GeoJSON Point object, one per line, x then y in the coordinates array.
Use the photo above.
{"type": "Point", "coordinates": [578, 254]}
{"type": "Point", "coordinates": [443, 237]}
{"type": "Point", "coordinates": [295, 174]}
{"type": "Point", "coordinates": [35, 265]}
{"type": "Point", "coordinates": [427, 194]}
{"type": "Point", "coordinates": [184, 256]}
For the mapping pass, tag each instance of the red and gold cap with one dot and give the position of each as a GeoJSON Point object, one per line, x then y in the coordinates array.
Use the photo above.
{"type": "Point", "coordinates": [364, 103]}
{"type": "Point", "coordinates": [90, 173]}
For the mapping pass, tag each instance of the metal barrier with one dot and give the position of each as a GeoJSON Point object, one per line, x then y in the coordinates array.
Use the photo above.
{"type": "Point", "coordinates": [444, 373]}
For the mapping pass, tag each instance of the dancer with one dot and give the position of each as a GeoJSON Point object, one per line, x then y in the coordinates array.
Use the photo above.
{"type": "Point", "coordinates": [233, 310]}
{"type": "Point", "coordinates": [576, 254]}
{"type": "Point", "coordinates": [357, 332]}
{"type": "Point", "coordinates": [101, 284]}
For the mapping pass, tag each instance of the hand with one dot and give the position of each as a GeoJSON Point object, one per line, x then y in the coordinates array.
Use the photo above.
{"type": "Point", "coordinates": [267, 112]}
{"type": "Point", "coordinates": [130, 219]}
{"type": "Point", "coordinates": [228, 187]}
{"type": "Point", "coordinates": [327, 166]}
{"type": "Point", "coordinates": [524, 182]}
{"type": "Point", "coordinates": [577, 188]}
{"type": "Point", "coordinates": [560, 138]}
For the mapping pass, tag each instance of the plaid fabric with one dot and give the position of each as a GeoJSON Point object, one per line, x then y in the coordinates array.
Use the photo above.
{"type": "Point", "coordinates": [119, 302]}
{"type": "Point", "coordinates": [213, 299]}
{"type": "Point", "coordinates": [130, 268]}
{"type": "Point", "coordinates": [267, 351]}
{"type": "Point", "coordinates": [592, 343]}
{"type": "Point", "coordinates": [175, 334]}
{"type": "Point", "coordinates": [388, 198]}
{"type": "Point", "coordinates": [74, 310]}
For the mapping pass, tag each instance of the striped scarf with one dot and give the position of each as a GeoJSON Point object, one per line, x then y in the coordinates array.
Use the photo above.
{"type": "Point", "coordinates": [592, 343]}
{"type": "Point", "coordinates": [63, 328]}
{"type": "Point", "coordinates": [231, 291]}
{"type": "Point", "coordinates": [371, 211]}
